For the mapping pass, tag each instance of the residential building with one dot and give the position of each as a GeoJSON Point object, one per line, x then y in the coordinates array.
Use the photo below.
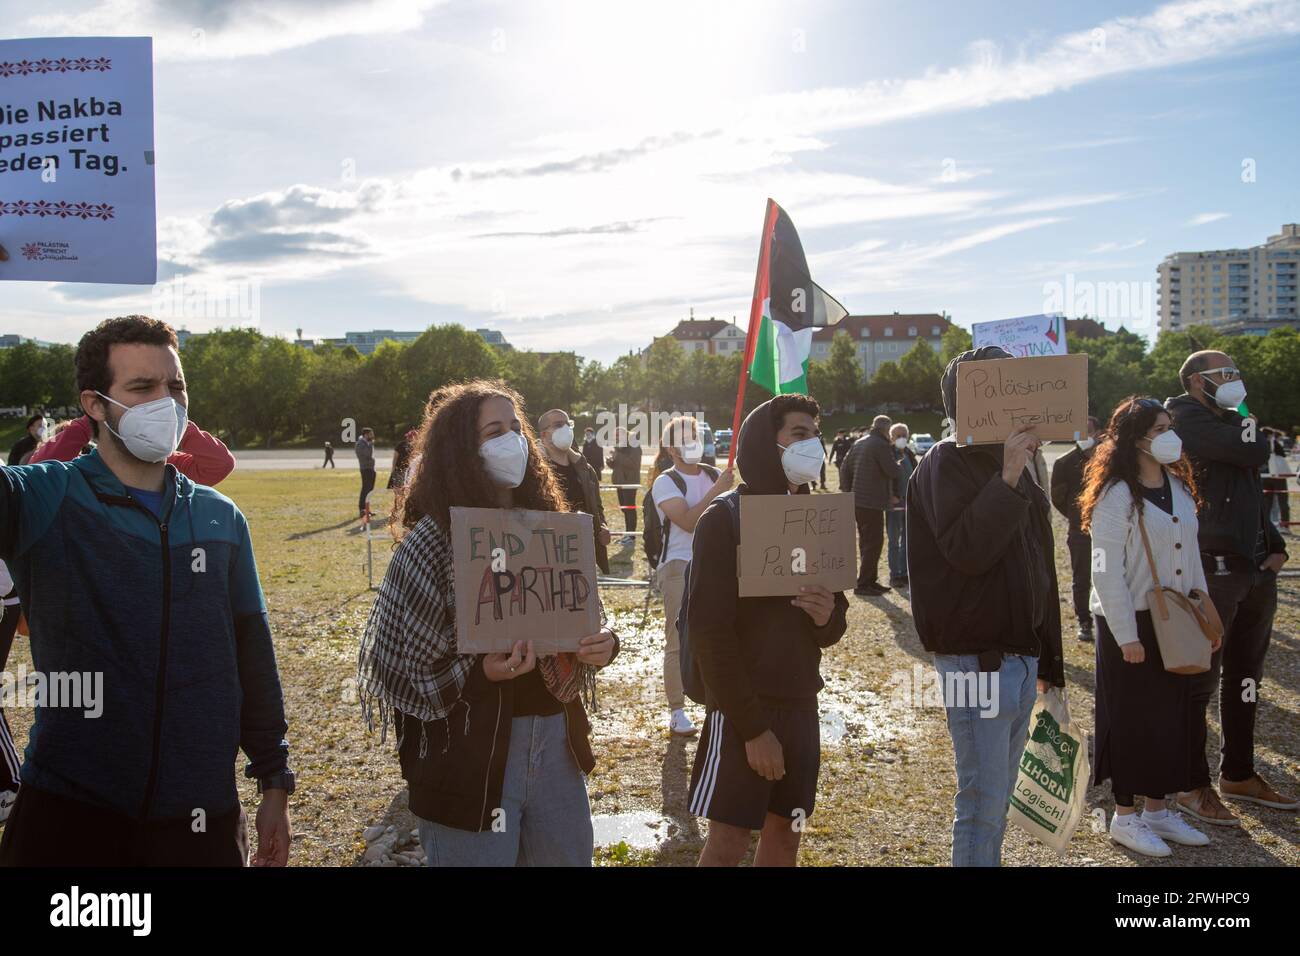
{"type": "Point", "coordinates": [878, 339]}
{"type": "Point", "coordinates": [1255, 286]}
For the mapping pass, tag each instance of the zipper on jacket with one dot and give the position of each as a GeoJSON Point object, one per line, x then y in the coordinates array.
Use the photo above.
{"type": "Point", "coordinates": [161, 684]}
{"type": "Point", "coordinates": [160, 690]}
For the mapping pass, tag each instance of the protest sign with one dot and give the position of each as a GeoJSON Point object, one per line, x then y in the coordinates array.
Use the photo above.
{"type": "Point", "coordinates": [1024, 337]}
{"type": "Point", "coordinates": [789, 541]}
{"type": "Point", "coordinates": [76, 160]}
{"type": "Point", "coordinates": [997, 396]}
{"type": "Point", "coordinates": [523, 576]}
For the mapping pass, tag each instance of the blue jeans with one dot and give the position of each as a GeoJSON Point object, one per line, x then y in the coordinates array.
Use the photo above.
{"type": "Point", "coordinates": [544, 818]}
{"type": "Point", "coordinates": [897, 529]}
{"type": "Point", "coordinates": [988, 750]}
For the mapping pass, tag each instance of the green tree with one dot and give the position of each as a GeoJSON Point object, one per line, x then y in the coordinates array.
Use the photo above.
{"type": "Point", "coordinates": [955, 341]}
{"type": "Point", "coordinates": [921, 371]}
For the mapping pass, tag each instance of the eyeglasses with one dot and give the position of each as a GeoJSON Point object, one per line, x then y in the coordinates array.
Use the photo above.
{"type": "Point", "coordinates": [1229, 373]}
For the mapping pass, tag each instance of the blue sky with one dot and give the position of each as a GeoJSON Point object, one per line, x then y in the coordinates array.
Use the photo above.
{"type": "Point", "coordinates": [579, 174]}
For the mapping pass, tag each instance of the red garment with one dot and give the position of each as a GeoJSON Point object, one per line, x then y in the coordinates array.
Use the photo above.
{"type": "Point", "coordinates": [202, 458]}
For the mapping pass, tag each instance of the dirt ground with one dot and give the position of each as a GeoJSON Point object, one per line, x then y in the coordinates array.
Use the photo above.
{"type": "Point", "coordinates": [886, 788]}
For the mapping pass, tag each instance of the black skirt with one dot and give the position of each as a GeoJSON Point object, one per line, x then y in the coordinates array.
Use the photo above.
{"type": "Point", "coordinates": [1143, 718]}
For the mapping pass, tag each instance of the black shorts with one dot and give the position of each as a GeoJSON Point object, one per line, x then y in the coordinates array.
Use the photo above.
{"type": "Point", "coordinates": [47, 829]}
{"type": "Point", "coordinates": [724, 787]}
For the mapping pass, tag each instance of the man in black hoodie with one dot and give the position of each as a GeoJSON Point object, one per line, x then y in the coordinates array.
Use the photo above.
{"type": "Point", "coordinates": [760, 658]}
{"type": "Point", "coordinates": [984, 599]}
{"type": "Point", "coordinates": [1242, 552]}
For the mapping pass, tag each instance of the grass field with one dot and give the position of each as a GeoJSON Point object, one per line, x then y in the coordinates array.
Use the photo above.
{"type": "Point", "coordinates": [885, 796]}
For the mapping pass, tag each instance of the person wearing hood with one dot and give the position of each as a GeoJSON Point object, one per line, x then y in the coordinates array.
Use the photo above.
{"type": "Point", "coordinates": [871, 472]}
{"type": "Point", "coordinates": [759, 755]}
{"type": "Point", "coordinates": [1242, 551]}
{"type": "Point", "coordinates": [578, 480]}
{"type": "Point", "coordinates": [130, 571]}
{"type": "Point", "coordinates": [984, 600]}
{"type": "Point", "coordinates": [1067, 484]}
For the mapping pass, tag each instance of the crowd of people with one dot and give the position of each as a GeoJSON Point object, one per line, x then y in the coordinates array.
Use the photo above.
{"type": "Point", "coordinates": [115, 545]}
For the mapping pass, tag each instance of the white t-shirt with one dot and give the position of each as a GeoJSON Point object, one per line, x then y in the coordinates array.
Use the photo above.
{"type": "Point", "coordinates": [665, 489]}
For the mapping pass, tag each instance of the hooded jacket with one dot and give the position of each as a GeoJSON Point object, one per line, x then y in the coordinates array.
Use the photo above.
{"type": "Point", "coordinates": [870, 471]}
{"type": "Point", "coordinates": [1234, 515]}
{"type": "Point", "coordinates": [752, 651]}
{"type": "Point", "coordinates": [169, 610]}
{"type": "Point", "coordinates": [980, 555]}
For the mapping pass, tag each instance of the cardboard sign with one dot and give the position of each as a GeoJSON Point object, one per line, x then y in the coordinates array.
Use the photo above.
{"type": "Point", "coordinates": [997, 396]}
{"type": "Point", "coordinates": [1024, 337]}
{"type": "Point", "coordinates": [76, 160]}
{"type": "Point", "coordinates": [789, 541]}
{"type": "Point", "coordinates": [523, 576]}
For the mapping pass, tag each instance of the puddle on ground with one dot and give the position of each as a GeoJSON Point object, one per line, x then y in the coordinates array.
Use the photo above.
{"type": "Point", "coordinates": [640, 830]}
{"type": "Point", "coordinates": [858, 716]}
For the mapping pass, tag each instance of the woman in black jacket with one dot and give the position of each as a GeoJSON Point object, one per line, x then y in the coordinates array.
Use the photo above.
{"type": "Point", "coordinates": [494, 747]}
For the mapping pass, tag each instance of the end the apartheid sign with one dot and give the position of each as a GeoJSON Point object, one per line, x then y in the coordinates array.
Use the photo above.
{"type": "Point", "coordinates": [790, 541]}
{"type": "Point", "coordinates": [77, 160]}
{"type": "Point", "coordinates": [998, 396]}
{"type": "Point", "coordinates": [523, 576]}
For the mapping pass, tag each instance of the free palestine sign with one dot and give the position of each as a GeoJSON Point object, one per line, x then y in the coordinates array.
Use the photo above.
{"type": "Point", "coordinates": [76, 160]}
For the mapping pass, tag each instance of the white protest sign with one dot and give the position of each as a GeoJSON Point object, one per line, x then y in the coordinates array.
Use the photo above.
{"type": "Point", "coordinates": [1026, 336]}
{"type": "Point", "coordinates": [76, 160]}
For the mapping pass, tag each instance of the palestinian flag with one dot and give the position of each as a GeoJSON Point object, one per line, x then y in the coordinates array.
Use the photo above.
{"type": "Point", "coordinates": [787, 308]}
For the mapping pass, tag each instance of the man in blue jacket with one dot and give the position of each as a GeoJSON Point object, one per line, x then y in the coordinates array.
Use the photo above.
{"type": "Point", "coordinates": [141, 584]}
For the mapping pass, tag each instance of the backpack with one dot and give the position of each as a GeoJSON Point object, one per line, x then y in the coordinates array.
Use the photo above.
{"type": "Point", "coordinates": [654, 540]}
{"type": "Point", "coordinates": [692, 679]}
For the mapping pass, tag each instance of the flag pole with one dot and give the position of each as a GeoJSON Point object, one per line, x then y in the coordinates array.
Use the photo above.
{"type": "Point", "coordinates": [751, 334]}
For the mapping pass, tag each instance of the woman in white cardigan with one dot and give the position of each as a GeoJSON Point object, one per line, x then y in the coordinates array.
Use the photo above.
{"type": "Point", "coordinates": [1143, 712]}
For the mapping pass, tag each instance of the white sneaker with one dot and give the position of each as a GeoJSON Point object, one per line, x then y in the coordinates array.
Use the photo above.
{"type": "Point", "coordinates": [7, 798]}
{"type": "Point", "coordinates": [1174, 829]}
{"type": "Point", "coordinates": [1137, 836]}
{"type": "Point", "coordinates": [681, 724]}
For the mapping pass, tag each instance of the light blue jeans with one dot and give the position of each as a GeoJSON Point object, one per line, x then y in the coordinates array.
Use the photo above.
{"type": "Point", "coordinates": [896, 526]}
{"type": "Point", "coordinates": [988, 751]}
{"type": "Point", "coordinates": [544, 818]}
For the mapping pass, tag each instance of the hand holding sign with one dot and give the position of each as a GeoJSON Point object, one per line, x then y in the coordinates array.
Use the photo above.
{"type": "Point", "coordinates": [1017, 453]}
{"type": "Point", "coordinates": [520, 660]}
{"type": "Point", "coordinates": [817, 601]}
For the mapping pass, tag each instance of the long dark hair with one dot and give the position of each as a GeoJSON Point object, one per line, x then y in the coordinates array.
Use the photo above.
{"type": "Point", "coordinates": [1116, 457]}
{"type": "Point", "coordinates": [450, 470]}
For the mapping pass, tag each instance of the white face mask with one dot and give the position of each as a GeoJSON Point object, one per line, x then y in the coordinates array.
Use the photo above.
{"type": "Point", "coordinates": [802, 461]}
{"type": "Point", "coordinates": [1230, 394]}
{"type": "Point", "coordinates": [692, 452]}
{"type": "Point", "coordinates": [1166, 448]}
{"type": "Point", "coordinates": [562, 437]}
{"type": "Point", "coordinates": [42, 430]}
{"type": "Point", "coordinates": [151, 431]}
{"type": "Point", "coordinates": [1086, 443]}
{"type": "Point", "coordinates": [900, 443]}
{"type": "Point", "coordinates": [506, 458]}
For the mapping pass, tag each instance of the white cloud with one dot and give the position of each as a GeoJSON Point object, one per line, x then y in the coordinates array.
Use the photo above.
{"type": "Point", "coordinates": [1105, 247]}
{"type": "Point", "coordinates": [1201, 219]}
{"type": "Point", "coordinates": [199, 29]}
